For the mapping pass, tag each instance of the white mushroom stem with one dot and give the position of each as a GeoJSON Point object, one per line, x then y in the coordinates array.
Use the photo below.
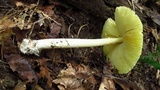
{"type": "Point", "coordinates": [29, 46]}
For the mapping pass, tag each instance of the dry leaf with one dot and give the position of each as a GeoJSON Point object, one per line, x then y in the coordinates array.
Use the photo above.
{"type": "Point", "coordinates": [48, 10]}
{"type": "Point", "coordinates": [155, 34]}
{"type": "Point", "coordinates": [18, 4]}
{"type": "Point", "coordinates": [37, 87]}
{"type": "Point", "coordinates": [67, 72]}
{"type": "Point", "coordinates": [21, 65]}
{"type": "Point", "coordinates": [156, 18]}
{"type": "Point", "coordinates": [9, 47]}
{"type": "Point", "coordinates": [107, 84]}
{"type": "Point", "coordinates": [70, 83]}
{"type": "Point", "coordinates": [158, 74]}
{"type": "Point", "coordinates": [44, 71]}
{"type": "Point", "coordinates": [54, 30]}
{"type": "Point", "coordinates": [67, 79]}
{"type": "Point", "coordinates": [126, 84]}
{"type": "Point", "coordinates": [20, 86]}
{"type": "Point", "coordinates": [5, 28]}
{"type": "Point", "coordinates": [76, 78]}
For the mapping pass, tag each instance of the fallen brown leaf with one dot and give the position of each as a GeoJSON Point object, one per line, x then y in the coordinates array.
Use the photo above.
{"type": "Point", "coordinates": [48, 10]}
{"type": "Point", "coordinates": [20, 86]}
{"type": "Point", "coordinates": [155, 35]}
{"type": "Point", "coordinates": [75, 78]}
{"type": "Point", "coordinates": [126, 84]}
{"type": "Point", "coordinates": [21, 65]}
{"type": "Point", "coordinates": [69, 83]}
{"type": "Point", "coordinates": [54, 30]}
{"type": "Point", "coordinates": [9, 47]}
{"type": "Point", "coordinates": [107, 84]}
{"type": "Point", "coordinates": [67, 72]}
{"type": "Point", "coordinates": [44, 71]}
{"type": "Point", "coordinates": [156, 18]}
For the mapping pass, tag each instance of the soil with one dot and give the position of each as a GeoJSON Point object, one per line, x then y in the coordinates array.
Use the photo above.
{"type": "Point", "coordinates": [74, 68]}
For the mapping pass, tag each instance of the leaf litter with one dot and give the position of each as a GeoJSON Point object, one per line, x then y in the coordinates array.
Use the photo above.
{"type": "Point", "coordinates": [74, 78]}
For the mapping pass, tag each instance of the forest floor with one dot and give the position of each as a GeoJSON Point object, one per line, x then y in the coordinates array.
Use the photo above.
{"type": "Point", "coordinates": [75, 68]}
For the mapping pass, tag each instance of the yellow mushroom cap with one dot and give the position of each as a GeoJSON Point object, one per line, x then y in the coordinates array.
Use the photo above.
{"type": "Point", "coordinates": [123, 56]}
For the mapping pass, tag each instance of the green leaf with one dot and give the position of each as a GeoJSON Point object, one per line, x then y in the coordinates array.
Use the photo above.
{"type": "Point", "coordinates": [158, 48]}
{"type": "Point", "coordinates": [149, 60]}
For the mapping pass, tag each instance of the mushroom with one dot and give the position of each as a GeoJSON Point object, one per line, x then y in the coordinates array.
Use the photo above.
{"type": "Point", "coordinates": [122, 40]}
{"type": "Point", "coordinates": [124, 55]}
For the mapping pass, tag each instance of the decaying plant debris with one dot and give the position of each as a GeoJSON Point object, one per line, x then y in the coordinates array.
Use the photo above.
{"type": "Point", "coordinates": [70, 69]}
{"type": "Point", "coordinates": [24, 17]}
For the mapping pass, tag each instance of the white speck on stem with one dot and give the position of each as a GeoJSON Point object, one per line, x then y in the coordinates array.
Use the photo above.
{"type": "Point", "coordinates": [29, 46]}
